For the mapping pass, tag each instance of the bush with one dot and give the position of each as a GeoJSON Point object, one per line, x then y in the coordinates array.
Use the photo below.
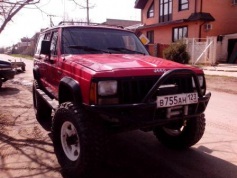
{"type": "Point", "coordinates": [177, 52]}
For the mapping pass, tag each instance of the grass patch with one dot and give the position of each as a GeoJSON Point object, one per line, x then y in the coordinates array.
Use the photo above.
{"type": "Point", "coordinates": [228, 78]}
{"type": "Point", "coordinates": [22, 56]}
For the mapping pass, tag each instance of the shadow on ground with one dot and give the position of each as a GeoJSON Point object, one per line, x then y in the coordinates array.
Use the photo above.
{"type": "Point", "coordinates": [133, 154]}
{"type": "Point", "coordinates": [139, 155]}
{"type": "Point", "coordinates": [31, 156]}
{"type": "Point", "coordinates": [4, 91]}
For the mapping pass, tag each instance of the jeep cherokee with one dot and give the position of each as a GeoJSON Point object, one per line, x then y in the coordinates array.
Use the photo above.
{"type": "Point", "coordinates": [92, 80]}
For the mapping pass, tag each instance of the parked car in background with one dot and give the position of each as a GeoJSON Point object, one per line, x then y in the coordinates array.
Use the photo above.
{"type": "Point", "coordinates": [6, 71]}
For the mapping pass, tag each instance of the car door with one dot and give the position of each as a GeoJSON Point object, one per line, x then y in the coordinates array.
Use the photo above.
{"type": "Point", "coordinates": [40, 60]}
{"type": "Point", "coordinates": [47, 64]}
{"type": "Point", "coordinates": [55, 73]}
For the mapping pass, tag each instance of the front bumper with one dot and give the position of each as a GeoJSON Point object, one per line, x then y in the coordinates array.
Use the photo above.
{"type": "Point", "coordinates": [6, 74]}
{"type": "Point", "coordinates": [146, 113]}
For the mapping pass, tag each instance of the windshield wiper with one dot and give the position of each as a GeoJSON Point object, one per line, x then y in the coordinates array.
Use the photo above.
{"type": "Point", "coordinates": [87, 48]}
{"type": "Point", "coordinates": [125, 50]}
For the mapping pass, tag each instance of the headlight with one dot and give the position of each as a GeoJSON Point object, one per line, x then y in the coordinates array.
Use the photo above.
{"type": "Point", "coordinates": [107, 88]}
{"type": "Point", "coordinates": [200, 79]}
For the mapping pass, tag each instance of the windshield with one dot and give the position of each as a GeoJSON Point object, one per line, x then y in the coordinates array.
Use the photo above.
{"type": "Point", "coordinates": [76, 40]}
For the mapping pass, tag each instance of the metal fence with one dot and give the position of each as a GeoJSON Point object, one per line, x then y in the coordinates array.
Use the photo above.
{"type": "Point", "coordinates": [202, 50]}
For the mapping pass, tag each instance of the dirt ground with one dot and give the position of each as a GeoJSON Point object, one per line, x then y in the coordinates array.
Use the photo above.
{"type": "Point", "coordinates": [26, 148]}
{"type": "Point", "coordinates": [222, 83]}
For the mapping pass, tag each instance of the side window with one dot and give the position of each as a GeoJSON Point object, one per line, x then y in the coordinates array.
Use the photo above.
{"type": "Point", "coordinates": [53, 45]}
{"type": "Point", "coordinates": [42, 37]}
{"type": "Point", "coordinates": [38, 48]}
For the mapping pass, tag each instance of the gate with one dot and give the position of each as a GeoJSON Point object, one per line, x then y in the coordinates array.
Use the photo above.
{"type": "Point", "coordinates": [202, 50]}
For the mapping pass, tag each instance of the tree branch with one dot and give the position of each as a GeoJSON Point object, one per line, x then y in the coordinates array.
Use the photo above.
{"type": "Point", "coordinates": [10, 12]}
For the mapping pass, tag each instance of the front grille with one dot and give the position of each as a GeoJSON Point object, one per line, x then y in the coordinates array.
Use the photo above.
{"type": "Point", "coordinates": [133, 90]}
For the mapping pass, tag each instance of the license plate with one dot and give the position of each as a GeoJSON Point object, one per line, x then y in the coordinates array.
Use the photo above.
{"type": "Point", "coordinates": [175, 100]}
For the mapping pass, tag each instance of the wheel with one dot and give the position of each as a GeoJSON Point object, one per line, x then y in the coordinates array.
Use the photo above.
{"type": "Point", "coordinates": [42, 110]}
{"type": "Point", "coordinates": [0, 83]}
{"type": "Point", "coordinates": [181, 136]}
{"type": "Point", "coordinates": [78, 140]}
{"type": "Point", "coordinates": [23, 68]}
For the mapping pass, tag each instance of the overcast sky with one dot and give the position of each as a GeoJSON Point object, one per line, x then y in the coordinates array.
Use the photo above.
{"type": "Point", "coordinates": [29, 21]}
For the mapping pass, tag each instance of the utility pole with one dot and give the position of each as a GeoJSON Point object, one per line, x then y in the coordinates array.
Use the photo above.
{"type": "Point", "coordinates": [87, 12]}
{"type": "Point", "coordinates": [87, 7]}
{"type": "Point", "coordinates": [50, 19]}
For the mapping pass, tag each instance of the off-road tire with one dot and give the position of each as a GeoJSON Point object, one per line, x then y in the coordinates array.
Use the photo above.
{"type": "Point", "coordinates": [191, 133]}
{"type": "Point", "coordinates": [90, 136]}
{"type": "Point", "coordinates": [42, 110]}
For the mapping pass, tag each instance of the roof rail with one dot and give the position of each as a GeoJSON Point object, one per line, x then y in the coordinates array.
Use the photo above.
{"type": "Point", "coordinates": [86, 24]}
{"type": "Point", "coordinates": [76, 23]}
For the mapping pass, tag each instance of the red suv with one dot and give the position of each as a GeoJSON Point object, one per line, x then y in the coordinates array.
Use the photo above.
{"type": "Point", "coordinates": [91, 81]}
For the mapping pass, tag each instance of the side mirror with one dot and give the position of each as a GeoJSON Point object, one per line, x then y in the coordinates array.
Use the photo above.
{"type": "Point", "coordinates": [45, 47]}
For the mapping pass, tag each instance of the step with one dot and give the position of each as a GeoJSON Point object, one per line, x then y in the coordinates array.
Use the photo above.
{"type": "Point", "coordinates": [51, 102]}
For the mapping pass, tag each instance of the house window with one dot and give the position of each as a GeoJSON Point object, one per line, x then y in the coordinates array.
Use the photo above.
{"type": "Point", "coordinates": [180, 33]}
{"type": "Point", "coordinates": [150, 12]}
{"type": "Point", "coordinates": [150, 36]}
{"type": "Point", "coordinates": [165, 10]}
{"type": "Point", "coordinates": [183, 5]}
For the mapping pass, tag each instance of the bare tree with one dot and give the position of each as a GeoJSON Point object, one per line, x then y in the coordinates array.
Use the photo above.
{"type": "Point", "coordinates": [9, 8]}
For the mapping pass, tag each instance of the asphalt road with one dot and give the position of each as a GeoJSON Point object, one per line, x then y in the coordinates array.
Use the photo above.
{"type": "Point", "coordinates": [131, 154]}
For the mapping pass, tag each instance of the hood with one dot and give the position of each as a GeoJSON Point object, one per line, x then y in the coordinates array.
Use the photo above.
{"type": "Point", "coordinates": [5, 64]}
{"type": "Point", "coordinates": [122, 62]}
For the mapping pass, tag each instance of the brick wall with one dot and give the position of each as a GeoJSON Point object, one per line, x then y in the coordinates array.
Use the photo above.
{"type": "Point", "coordinates": [157, 49]}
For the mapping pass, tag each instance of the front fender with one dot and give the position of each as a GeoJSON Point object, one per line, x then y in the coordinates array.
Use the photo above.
{"type": "Point", "coordinates": [69, 90]}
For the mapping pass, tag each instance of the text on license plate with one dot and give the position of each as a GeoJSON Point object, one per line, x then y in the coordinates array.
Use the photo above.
{"type": "Point", "coordinates": [175, 100]}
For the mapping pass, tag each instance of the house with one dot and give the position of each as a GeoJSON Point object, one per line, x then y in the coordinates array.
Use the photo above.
{"type": "Point", "coordinates": [122, 23]}
{"type": "Point", "coordinates": [166, 21]}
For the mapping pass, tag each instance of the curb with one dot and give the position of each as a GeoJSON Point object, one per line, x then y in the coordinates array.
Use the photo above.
{"type": "Point", "coordinates": [221, 70]}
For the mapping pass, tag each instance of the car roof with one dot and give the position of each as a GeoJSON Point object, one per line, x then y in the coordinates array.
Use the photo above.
{"type": "Point", "coordinates": [69, 24]}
